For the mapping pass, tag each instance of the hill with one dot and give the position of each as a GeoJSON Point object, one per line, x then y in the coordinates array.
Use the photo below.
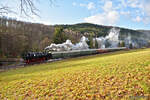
{"type": "Point", "coordinates": [138, 38]}
{"type": "Point", "coordinates": [17, 37]}
{"type": "Point", "coordinates": [115, 76]}
{"type": "Point", "coordinates": [98, 30]}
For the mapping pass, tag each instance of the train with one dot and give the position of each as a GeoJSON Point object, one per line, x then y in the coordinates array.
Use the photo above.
{"type": "Point", "coordinates": [32, 57]}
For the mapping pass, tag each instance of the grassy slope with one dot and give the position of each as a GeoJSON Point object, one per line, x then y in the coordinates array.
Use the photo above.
{"type": "Point", "coordinates": [112, 76]}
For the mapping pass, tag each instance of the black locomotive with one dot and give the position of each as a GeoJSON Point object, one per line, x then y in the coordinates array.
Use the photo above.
{"type": "Point", "coordinates": [31, 57]}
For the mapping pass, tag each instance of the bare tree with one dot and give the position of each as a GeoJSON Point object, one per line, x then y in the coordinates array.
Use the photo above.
{"type": "Point", "coordinates": [27, 7]}
{"type": "Point", "coordinates": [4, 10]}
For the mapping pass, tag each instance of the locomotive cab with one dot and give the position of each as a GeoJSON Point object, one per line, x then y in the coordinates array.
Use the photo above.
{"type": "Point", "coordinates": [36, 57]}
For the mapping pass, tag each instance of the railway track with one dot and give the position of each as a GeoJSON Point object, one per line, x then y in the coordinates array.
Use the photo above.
{"type": "Point", "coordinates": [22, 64]}
{"type": "Point", "coordinates": [56, 56]}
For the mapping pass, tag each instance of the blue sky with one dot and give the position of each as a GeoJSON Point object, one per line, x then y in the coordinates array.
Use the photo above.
{"type": "Point", "coordinates": [134, 14]}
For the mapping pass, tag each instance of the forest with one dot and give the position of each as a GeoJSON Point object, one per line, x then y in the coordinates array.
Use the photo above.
{"type": "Point", "coordinates": [18, 37]}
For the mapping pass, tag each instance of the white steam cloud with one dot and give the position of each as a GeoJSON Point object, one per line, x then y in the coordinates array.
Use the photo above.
{"type": "Point", "coordinates": [110, 41]}
{"type": "Point", "coordinates": [67, 46]}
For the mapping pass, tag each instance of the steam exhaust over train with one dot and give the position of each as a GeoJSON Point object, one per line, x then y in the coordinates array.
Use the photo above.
{"type": "Point", "coordinates": [67, 49]}
{"type": "Point", "coordinates": [112, 40]}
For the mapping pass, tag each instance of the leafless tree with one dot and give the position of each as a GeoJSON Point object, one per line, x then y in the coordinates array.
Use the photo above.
{"type": "Point", "coordinates": [4, 10]}
{"type": "Point", "coordinates": [27, 7]}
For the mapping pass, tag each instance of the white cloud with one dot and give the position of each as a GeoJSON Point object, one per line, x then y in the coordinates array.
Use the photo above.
{"type": "Point", "coordinates": [146, 8]}
{"type": "Point", "coordinates": [33, 18]}
{"type": "Point", "coordinates": [146, 20]}
{"type": "Point", "coordinates": [132, 8]}
{"type": "Point", "coordinates": [107, 6]}
{"type": "Point", "coordinates": [123, 2]}
{"type": "Point", "coordinates": [137, 19]}
{"type": "Point", "coordinates": [96, 19]}
{"type": "Point", "coordinates": [126, 13]}
{"type": "Point", "coordinates": [133, 3]}
{"type": "Point", "coordinates": [106, 18]}
{"type": "Point", "coordinates": [82, 5]}
{"type": "Point", "coordinates": [111, 11]}
{"type": "Point", "coordinates": [130, 3]}
{"type": "Point", "coordinates": [89, 6]}
{"type": "Point", "coordinates": [144, 11]}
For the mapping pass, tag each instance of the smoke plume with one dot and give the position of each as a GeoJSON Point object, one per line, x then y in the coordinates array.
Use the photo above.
{"type": "Point", "coordinates": [112, 40]}
{"type": "Point", "coordinates": [67, 46]}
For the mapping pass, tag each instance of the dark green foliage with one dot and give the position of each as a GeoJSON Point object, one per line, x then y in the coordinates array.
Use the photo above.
{"type": "Point", "coordinates": [96, 44]}
{"type": "Point", "coordinates": [121, 44]}
{"type": "Point", "coordinates": [107, 44]}
{"type": "Point", "coordinates": [91, 42]}
{"type": "Point", "coordinates": [98, 30]}
{"type": "Point", "coordinates": [130, 46]}
{"type": "Point", "coordinates": [148, 43]}
{"type": "Point", "coordinates": [59, 36]}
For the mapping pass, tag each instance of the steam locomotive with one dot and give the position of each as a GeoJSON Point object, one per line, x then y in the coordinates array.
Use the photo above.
{"type": "Point", "coordinates": [32, 57]}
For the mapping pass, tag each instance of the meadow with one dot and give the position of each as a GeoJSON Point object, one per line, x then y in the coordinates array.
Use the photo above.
{"type": "Point", "coordinates": [123, 75]}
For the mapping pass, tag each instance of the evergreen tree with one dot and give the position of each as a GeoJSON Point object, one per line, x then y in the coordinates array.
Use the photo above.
{"type": "Point", "coordinates": [122, 44]}
{"type": "Point", "coordinates": [148, 44]}
{"type": "Point", "coordinates": [130, 46]}
{"type": "Point", "coordinates": [119, 44]}
{"type": "Point", "coordinates": [91, 42]}
{"type": "Point", "coordinates": [96, 44]}
{"type": "Point", "coordinates": [59, 36]}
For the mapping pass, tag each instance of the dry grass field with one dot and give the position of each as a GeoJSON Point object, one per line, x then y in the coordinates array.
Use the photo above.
{"type": "Point", "coordinates": [122, 75]}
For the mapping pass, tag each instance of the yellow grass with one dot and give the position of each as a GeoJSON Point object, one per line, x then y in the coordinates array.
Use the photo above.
{"type": "Point", "coordinates": [115, 76]}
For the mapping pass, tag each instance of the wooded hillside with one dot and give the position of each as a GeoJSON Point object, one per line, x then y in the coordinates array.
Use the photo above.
{"type": "Point", "coordinates": [17, 37]}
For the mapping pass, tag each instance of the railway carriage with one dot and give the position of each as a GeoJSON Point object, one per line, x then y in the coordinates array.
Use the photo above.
{"type": "Point", "coordinates": [44, 56]}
